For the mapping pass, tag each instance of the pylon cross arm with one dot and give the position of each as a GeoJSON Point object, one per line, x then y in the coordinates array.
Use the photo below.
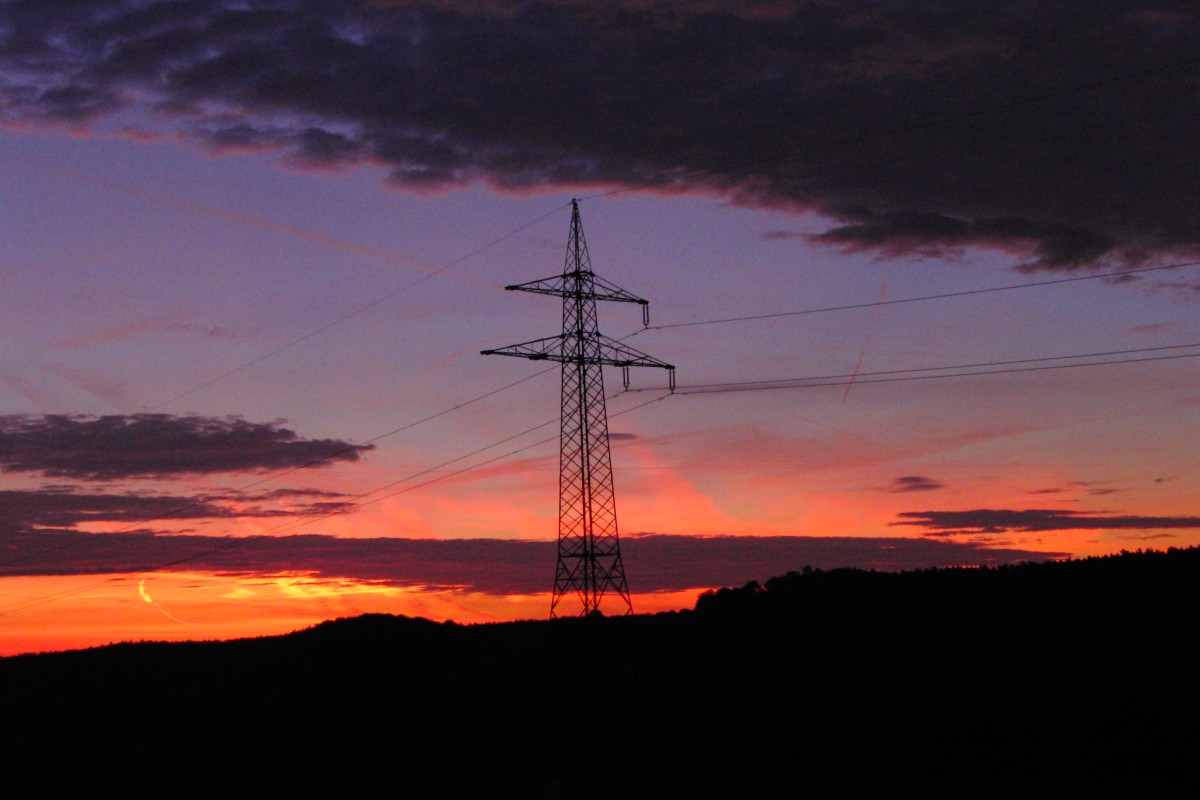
{"type": "Point", "coordinates": [616, 354]}
{"type": "Point", "coordinates": [599, 349]}
{"type": "Point", "coordinates": [568, 285]}
{"type": "Point", "coordinates": [537, 350]}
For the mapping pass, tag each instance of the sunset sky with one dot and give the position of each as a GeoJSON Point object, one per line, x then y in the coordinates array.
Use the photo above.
{"type": "Point", "coordinates": [238, 238]}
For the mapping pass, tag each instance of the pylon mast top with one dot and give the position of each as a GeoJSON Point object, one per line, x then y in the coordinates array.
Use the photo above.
{"type": "Point", "coordinates": [578, 278]}
{"type": "Point", "coordinates": [578, 283]}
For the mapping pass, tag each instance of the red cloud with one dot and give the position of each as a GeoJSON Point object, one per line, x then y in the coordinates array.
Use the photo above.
{"type": "Point", "coordinates": [654, 563]}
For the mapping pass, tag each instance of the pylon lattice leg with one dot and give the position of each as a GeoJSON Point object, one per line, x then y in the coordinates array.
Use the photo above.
{"type": "Point", "coordinates": [589, 551]}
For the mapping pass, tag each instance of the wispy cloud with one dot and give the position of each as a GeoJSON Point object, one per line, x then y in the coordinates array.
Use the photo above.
{"type": "Point", "coordinates": [116, 333]}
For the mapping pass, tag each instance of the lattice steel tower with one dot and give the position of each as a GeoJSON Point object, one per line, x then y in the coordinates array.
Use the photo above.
{"type": "Point", "coordinates": [589, 549]}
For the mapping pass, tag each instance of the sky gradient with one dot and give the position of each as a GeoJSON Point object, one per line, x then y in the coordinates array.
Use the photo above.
{"type": "Point", "coordinates": [249, 248]}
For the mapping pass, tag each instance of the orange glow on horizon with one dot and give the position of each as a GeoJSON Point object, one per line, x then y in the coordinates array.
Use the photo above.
{"type": "Point", "coordinates": [92, 611]}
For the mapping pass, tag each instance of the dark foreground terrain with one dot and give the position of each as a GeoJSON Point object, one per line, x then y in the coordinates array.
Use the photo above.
{"type": "Point", "coordinates": [1050, 680]}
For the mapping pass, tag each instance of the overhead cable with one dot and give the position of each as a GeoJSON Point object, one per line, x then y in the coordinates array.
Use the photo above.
{"type": "Point", "coordinates": [931, 373]}
{"type": "Point", "coordinates": [317, 516]}
{"type": "Point", "coordinates": [922, 298]}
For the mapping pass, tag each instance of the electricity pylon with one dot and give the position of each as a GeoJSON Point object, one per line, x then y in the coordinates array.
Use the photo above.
{"type": "Point", "coordinates": [589, 549]}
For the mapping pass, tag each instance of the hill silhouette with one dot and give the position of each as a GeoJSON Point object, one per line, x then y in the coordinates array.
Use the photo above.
{"type": "Point", "coordinates": [1067, 679]}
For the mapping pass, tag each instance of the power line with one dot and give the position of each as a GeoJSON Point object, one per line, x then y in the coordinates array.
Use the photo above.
{"type": "Point", "coordinates": [229, 373]}
{"type": "Point", "coordinates": [360, 310]}
{"type": "Point", "coordinates": [974, 365]}
{"type": "Point", "coordinates": [291, 525]}
{"type": "Point", "coordinates": [709, 388]}
{"type": "Point", "coordinates": [158, 200]}
{"type": "Point", "coordinates": [843, 380]}
{"type": "Point", "coordinates": [649, 184]}
{"type": "Point", "coordinates": [316, 517]}
{"type": "Point", "coordinates": [510, 453]}
{"type": "Point", "coordinates": [922, 298]}
{"type": "Point", "coordinates": [917, 126]}
{"type": "Point", "coordinates": [845, 142]}
{"type": "Point", "coordinates": [233, 493]}
{"type": "Point", "coordinates": [747, 385]}
{"type": "Point", "coordinates": [264, 535]}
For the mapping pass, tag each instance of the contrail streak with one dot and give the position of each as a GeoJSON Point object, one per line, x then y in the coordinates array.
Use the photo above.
{"type": "Point", "coordinates": [883, 290]}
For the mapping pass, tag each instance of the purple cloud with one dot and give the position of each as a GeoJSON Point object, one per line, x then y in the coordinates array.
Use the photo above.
{"type": "Point", "coordinates": [988, 520]}
{"type": "Point", "coordinates": [862, 111]}
{"type": "Point", "coordinates": [915, 483]}
{"type": "Point", "coordinates": [1051, 246]}
{"type": "Point", "coordinates": [60, 507]}
{"type": "Point", "coordinates": [157, 445]}
{"type": "Point", "coordinates": [654, 563]}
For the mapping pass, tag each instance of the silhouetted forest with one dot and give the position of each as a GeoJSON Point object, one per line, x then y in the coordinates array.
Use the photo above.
{"type": "Point", "coordinates": [1040, 680]}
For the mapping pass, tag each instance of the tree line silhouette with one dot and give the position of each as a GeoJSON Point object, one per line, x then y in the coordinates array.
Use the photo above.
{"type": "Point", "coordinates": [1056, 680]}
